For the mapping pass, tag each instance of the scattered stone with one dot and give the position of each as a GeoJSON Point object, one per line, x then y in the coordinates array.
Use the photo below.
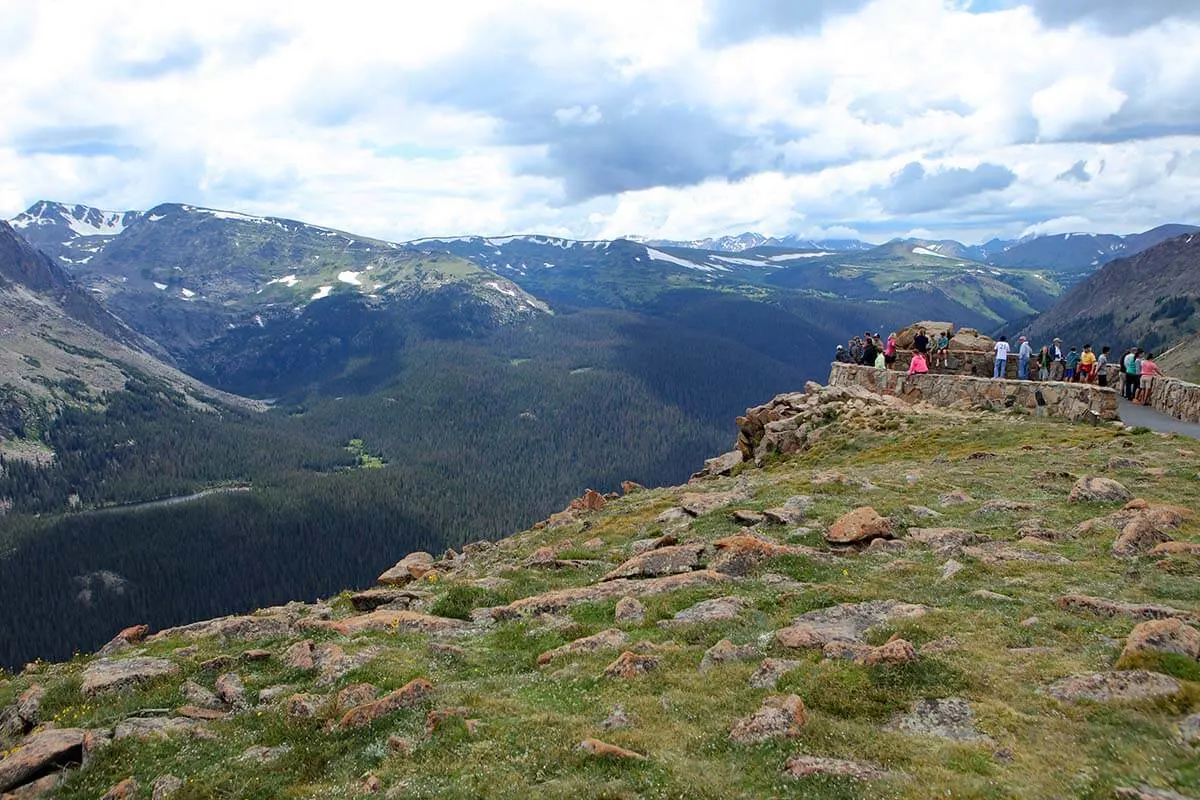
{"type": "Point", "coordinates": [371, 784]}
{"type": "Point", "coordinates": [165, 787]}
{"type": "Point", "coordinates": [231, 692]}
{"type": "Point", "coordinates": [560, 599]}
{"type": "Point", "coordinates": [793, 511]}
{"type": "Point", "coordinates": [747, 517]}
{"type": "Point", "coordinates": [984, 594]}
{"type": "Point", "coordinates": [601, 749]}
{"type": "Point", "coordinates": [124, 790]}
{"type": "Point", "coordinates": [256, 655]}
{"type": "Point", "coordinates": [847, 622]}
{"type": "Point", "coordinates": [302, 706]}
{"type": "Point", "coordinates": [945, 541]}
{"type": "Point", "coordinates": [950, 569]}
{"type": "Point", "coordinates": [1004, 506]}
{"type": "Point", "coordinates": [1089, 489]}
{"type": "Point", "coordinates": [40, 753]}
{"type": "Point", "coordinates": [720, 609]}
{"type": "Point", "coordinates": [999, 552]}
{"type": "Point", "coordinates": [1140, 536]}
{"type": "Point", "coordinates": [1145, 792]}
{"type": "Point", "coordinates": [803, 766]}
{"type": "Point", "coordinates": [630, 665]}
{"type": "Point", "coordinates": [400, 745]}
{"type": "Point", "coordinates": [299, 655]}
{"type": "Point", "coordinates": [946, 644]}
{"type": "Point", "coordinates": [617, 719]}
{"type": "Point", "coordinates": [381, 596]}
{"type": "Point", "coordinates": [954, 498]}
{"type": "Point", "coordinates": [630, 610]}
{"type": "Point", "coordinates": [106, 675]}
{"type": "Point", "coordinates": [1176, 549]}
{"type": "Point", "coordinates": [1104, 607]}
{"type": "Point", "coordinates": [1138, 684]}
{"type": "Point", "coordinates": [356, 694]}
{"type": "Point", "coordinates": [725, 652]}
{"type": "Point", "coordinates": [1163, 636]}
{"type": "Point", "coordinates": [264, 755]}
{"type": "Point", "coordinates": [218, 664]}
{"type": "Point", "coordinates": [922, 512]}
{"type": "Point", "coordinates": [412, 694]}
{"type": "Point", "coordinates": [946, 718]}
{"type": "Point", "coordinates": [738, 555]}
{"type": "Point", "coordinates": [780, 716]}
{"type": "Point", "coordinates": [199, 696]}
{"type": "Point", "coordinates": [1189, 730]}
{"type": "Point", "coordinates": [663, 561]}
{"type": "Point", "coordinates": [860, 525]}
{"type": "Point", "coordinates": [393, 620]}
{"type": "Point", "coordinates": [895, 652]}
{"type": "Point", "coordinates": [610, 639]}
{"type": "Point", "coordinates": [697, 504]}
{"type": "Point", "coordinates": [125, 639]}
{"type": "Point", "coordinates": [410, 568]}
{"type": "Point", "coordinates": [770, 671]}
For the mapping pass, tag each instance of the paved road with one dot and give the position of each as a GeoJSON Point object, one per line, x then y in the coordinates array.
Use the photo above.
{"type": "Point", "coordinates": [1155, 420]}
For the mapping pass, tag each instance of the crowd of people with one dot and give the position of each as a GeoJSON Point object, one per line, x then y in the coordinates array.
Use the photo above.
{"type": "Point", "coordinates": [1053, 362]}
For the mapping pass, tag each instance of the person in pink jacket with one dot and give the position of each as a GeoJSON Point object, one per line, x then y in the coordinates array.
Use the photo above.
{"type": "Point", "coordinates": [918, 365]}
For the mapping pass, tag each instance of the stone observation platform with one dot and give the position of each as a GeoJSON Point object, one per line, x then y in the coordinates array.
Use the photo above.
{"type": "Point", "coordinates": [1080, 402]}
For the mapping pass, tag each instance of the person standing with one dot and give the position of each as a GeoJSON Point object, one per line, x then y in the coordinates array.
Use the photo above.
{"type": "Point", "coordinates": [921, 342]}
{"type": "Point", "coordinates": [1058, 360]}
{"type": "Point", "coordinates": [1000, 368]}
{"type": "Point", "coordinates": [1132, 372]}
{"type": "Point", "coordinates": [1072, 363]}
{"type": "Point", "coordinates": [1087, 365]}
{"type": "Point", "coordinates": [889, 350]}
{"type": "Point", "coordinates": [869, 352]}
{"type": "Point", "coordinates": [1044, 363]}
{"type": "Point", "coordinates": [1102, 366]}
{"type": "Point", "coordinates": [1023, 355]}
{"type": "Point", "coordinates": [1147, 370]}
{"type": "Point", "coordinates": [842, 357]}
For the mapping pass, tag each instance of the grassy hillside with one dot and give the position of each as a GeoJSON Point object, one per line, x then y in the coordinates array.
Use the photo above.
{"type": "Point", "coordinates": [971, 703]}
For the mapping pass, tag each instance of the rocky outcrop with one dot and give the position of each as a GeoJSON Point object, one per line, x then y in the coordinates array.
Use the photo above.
{"type": "Point", "coordinates": [40, 754]}
{"type": "Point", "coordinates": [1090, 489]}
{"type": "Point", "coordinates": [1074, 401]}
{"type": "Point", "coordinates": [559, 599]}
{"type": "Point", "coordinates": [847, 622]}
{"type": "Point", "coordinates": [662, 561]}
{"type": "Point", "coordinates": [860, 525]}
{"type": "Point", "coordinates": [105, 675]}
{"type": "Point", "coordinates": [1102, 606]}
{"type": "Point", "coordinates": [780, 716]}
{"type": "Point", "coordinates": [1163, 636]}
{"type": "Point", "coordinates": [1119, 686]}
{"type": "Point", "coordinates": [803, 766]}
{"type": "Point", "coordinates": [410, 695]}
{"type": "Point", "coordinates": [610, 639]}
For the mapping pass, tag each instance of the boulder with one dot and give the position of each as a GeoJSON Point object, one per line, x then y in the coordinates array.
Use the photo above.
{"type": "Point", "coordinates": [860, 525]}
{"type": "Point", "coordinates": [595, 747]}
{"type": "Point", "coordinates": [41, 753]}
{"type": "Point", "coordinates": [770, 671]}
{"type": "Point", "coordinates": [235, 628]}
{"type": "Point", "coordinates": [378, 597]}
{"type": "Point", "coordinates": [738, 555]}
{"type": "Point", "coordinates": [663, 561]}
{"type": "Point", "coordinates": [944, 541]}
{"type": "Point", "coordinates": [410, 695]}
{"type": "Point", "coordinates": [720, 609]}
{"type": "Point", "coordinates": [1091, 489]}
{"type": "Point", "coordinates": [408, 569]}
{"type": "Point", "coordinates": [605, 640]}
{"type": "Point", "coordinates": [1126, 685]}
{"type": "Point", "coordinates": [151, 728]}
{"type": "Point", "coordinates": [559, 599]}
{"type": "Point", "coordinates": [780, 716]}
{"type": "Point", "coordinates": [105, 675]}
{"type": "Point", "coordinates": [1103, 607]}
{"type": "Point", "coordinates": [803, 766]}
{"type": "Point", "coordinates": [125, 790]}
{"type": "Point", "coordinates": [630, 665]}
{"type": "Point", "coordinates": [946, 718]}
{"type": "Point", "coordinates": [630, 610]}
{"type": "Point", "coordinates": [124, 639]}
{"type": "Point", "coordinates": [896, 651]}
{"type": "Point", "coordinates": [726, 652]}
{"type": "Point", "coordinates": [1140, 536]}
{"type": "Point", "coordinates": [231, 692]}
{"type": "Point", "coordinates": [847, 622]}
{"type": "Point", "coordinates": [302, 706]}
{"type": "Point", "coordinates": [1163, 636]}
{"type": "Point", "coordinates": [721, 465]}
{"type": "Point", "coordinates": [1176, 549]}
{"type": "Point", "coordinates": [299, 655]}
{"type": "Point", "coordinates": [165, 787]}
{"type": "Point", "coordinates": [697, 504]}
{"type": "Point", "coordinates": [199, 696]}
{"type": "Point", "coordinates": [1005, 506]}
{"type": "Point", "coordinates": [793, 511]}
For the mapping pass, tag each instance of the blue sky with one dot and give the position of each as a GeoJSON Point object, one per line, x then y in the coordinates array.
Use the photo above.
{"type": "Point", "coordinates": [675, 119]}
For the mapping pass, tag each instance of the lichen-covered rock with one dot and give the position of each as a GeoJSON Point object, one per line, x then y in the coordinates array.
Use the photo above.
{"type": "Point", "coordinates": [1103, 607]}
{"type": "Point", "coordinates": [40, 753]}
{"type": "Point", "coordinates": [630, 665]}
{"type": "Point", "coordinates": [1091, 489]}
{"type": "Point", "coordinates": [946, 718]}
{"type": "Point", "coordinates": [106, 675]}
{"type": "Point", "coordinates": [408, 569]}
{"type": "Point", "coordinates": [860, 525]}
{"type": "Point", "coordinates": [719, 609]}
{"type": "Point", "coordinates": [410, 695]}
{"type": "Point", "coordinates": [726, 652]}
{"type": "Point", "coordinates": [663, 561]}
{"type": "Point", "coordinates": [610, 639]}
{"type": "Point", "coordinates": [846, 622]}
{"type": "Point", "coordinates": [559, 599]}
{"type": "Point", "coordinates": [1140, 536]}
{"type": "Point", "coordinates": [780, 716]}
{"type": "Point", "coordinates": [894, 652]}
{"type": "Point", "coordinates": [1163, 636]}
{"type": "Point", "coordinates": [630, 610]}
{"type": "Point", "coordinates": [803, 766]}
{"type": "Point", "coordinates": [1138, 684]}
{"type": "Point", "coordinates": [770, 671]}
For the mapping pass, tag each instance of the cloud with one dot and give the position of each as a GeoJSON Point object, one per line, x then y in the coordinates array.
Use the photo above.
{"type": "Point", "coordinates": [1078, 173]}
{"type": "Point", "coordinates": [913, 190]}
{"type": "Point", "coordinates": [1114, 16]}
{"type": "Point", "coordinates": [735, 21]}
{"type": "Point", "coordinates": [86, 141]}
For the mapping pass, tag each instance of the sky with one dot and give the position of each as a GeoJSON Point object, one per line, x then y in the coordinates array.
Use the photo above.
{"type": "Point", "coordinates": [674, 119]}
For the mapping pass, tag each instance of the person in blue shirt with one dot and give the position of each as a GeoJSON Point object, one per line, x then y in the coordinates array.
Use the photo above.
{"type": "Point", "coordinates": [1024, 353]}
{"type": "Point", "coordinates": [1072, 364]}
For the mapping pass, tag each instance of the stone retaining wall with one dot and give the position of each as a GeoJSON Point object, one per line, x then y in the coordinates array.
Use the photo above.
{"type": "Point", "coordinates": [1175, 398]}
{"type": "Point", "coordinates": [1074, 401]}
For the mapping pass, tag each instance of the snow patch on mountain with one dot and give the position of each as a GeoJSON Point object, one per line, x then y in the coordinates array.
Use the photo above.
{"type": "Point", "coordinates": [659, 255]}
{"type": "Point", "coordinates": [321, 293]}
{"type": "Point", "coordinates": [796, 256]}
{"type": "Point", "coordinates": [925, 251]}
{"type": "Point", "coordinates": [289, 281]}
{"type": "Point", "coordinates": [350, 278]}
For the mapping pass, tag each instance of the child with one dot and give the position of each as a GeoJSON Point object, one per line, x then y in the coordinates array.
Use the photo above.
{"type": "Point", "coordinates": [918, 365]}
{"type": "Point", "coordinates": [1072, 364]}
{"type": "Point", "coordinates": [943, 349]}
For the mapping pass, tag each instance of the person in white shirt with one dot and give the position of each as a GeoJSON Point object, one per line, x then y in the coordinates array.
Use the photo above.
{"type": "Point", "coordinates": [1023, 355]}
{"type": "Point", "coordinates": [1001, 347]}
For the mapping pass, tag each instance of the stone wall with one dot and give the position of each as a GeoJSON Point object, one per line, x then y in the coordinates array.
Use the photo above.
{"type": "Point", "coordinates": [977, 363]}
{"type": "Point", "coordinates": [1175, 398]}
{"type": "Point", "coordinates": [1074, 401]}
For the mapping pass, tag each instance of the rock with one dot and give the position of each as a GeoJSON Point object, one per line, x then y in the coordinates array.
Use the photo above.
{"type": "Point", "coordinates": [150, 728]}
{"type": "Point", "coordinates": [1189, 730]}
{"type": "Point", "coordinates": [954, 498]}
{"type": "Point", "coordinates": [218, 664]}
{"type": "Point", "coordinates": [860, 525]}
{"type": "Point", "coordinates": [631, 487]}
{"type": "Point", "coordinates": [381, 596]}
{"type": "Point", "coordinates": [803, 766]}
{"type": "Point", "coordinates": [197, 713]}
{"type": "Point", "coordinates": [1176, 549]}
{"type": "Point", "coordinates": [630, 610]}
{"type": "Point", "coordinates": [356, 694]}
{"type": "Point", "coordinates": [738, 555]}
{"type": "Point", "coordinates": [1163, 636]}
{"type": "Point", "coordinates": [44, 751]}
{"type": "Point", "coordinates": [105, 675]}
{"type": "Point", "coordinates": [543, 556]}
{"type": "Point", "coordinates": [93, 742]}
{"type": "Point", "coordinates": [780, 716]}
{"type": "Point", "coordinates": [793, 511]}
{"type": "Point", "coordinates": [999, 552]}
{"type": "Point", "coordinates": [946, 644]}
{"type": "Point", "coordinates": [1029, 622]}
{"type": "Point", "coordinates": [1145, 792]}
{"type": "Point", "coordinates": [1140, 536]}
{"type": "Point", "coordinates": [256, 655]}
{"type": "Point", "coordinates": [124, 790]}
{"type": "Point", "coordinates": [390, 619]}
{"type": "Point", "coordinates": [199, 696]}
{"type": "Point", "coordinates": [165, 787]}
{"type": "Point", "coordinates": [770, 671]}
{"type": "Point", "coordinates": [942, 540]}
{"type": "Point", "coordinates": [262, 754]}
{"type": "Point", "coordinates": [28, 708]}
{"type": "Point", "coordinates": [1120, 462]}
{"type": "Point", "coordinates": [412, 694]}
{"type": "Point", "coordinates": [674, 514]}
{"type": "Point", "coordinates": [1118, 686]}
{"type": "Point", "coordinates": [595, 747]}
{"type": "Point", "coordinates": [630, 665]}
{"type": "Point", "coordinates": [299, 655]}
{"type": "Point", "coordinates": [408, 569]}
{"type": "Point", "coordinates": [721, 465]}
{"type": "Point", "coordinates": [560, 599]}
{"type": "Point", "coordinates": [35, 789]}
{"type": "Point", "coordinates": [272, 693]}
{"type": "Point", "coordinates": [435, 720]}
{"type": "Point", "coordinates": [946, 718]}
{"type": "Point", "coordinates": [1089, 489]}
{"type": "Point", "coordinates": [645, 545]}
{"type": "Point", "coordinates": [950, 569]}
{"type": "Point", "coordinates": [302, 706]}
{"type": "Point", "coordinates": [725, 652]}
{"type": "Point", "coordinates": [984, 594]}
{"type": "Point", "coordinates": [605, 640]}
{"type": "Point", "coordinates": [590, 501]}
{"type": "Point", "coordinates": [895, 652]}
{"type": "Point", "coordinates": [371, 784]}
{"type": "Point", "coordinates": [720, 609]}
{"type": "Point", "coordinates": [125, 639]}
{"type": "Point", "coordinates": [697, 504]}
{"type": "Point", "coordinates": [400, 746]}
{"type": "Point", "coordinates": [839, 650]}
{"type": "Point", "coordinates": [922, 512]}
{"type": "Point", "coordinates": [619, 718]}
{"type": "Point", "coordinates": [232, 692]}
{"type": "Point", "coordinates": [1103, 607]}
{"type": "Point", "coordinates": [744, 516]}
{"type": "Point", "coordinates": [235, 628]}
{"type": "Point", "coordinates": [1004, 506]}
{"type": "Point", "coordinates": [847, 622]}
{"type": "Point", "coordinates": [663, 561]}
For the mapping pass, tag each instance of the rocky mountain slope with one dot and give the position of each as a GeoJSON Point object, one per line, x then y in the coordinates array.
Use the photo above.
{"type": "Point", "coordinates": [866, 599]}
{"type": "Point", "coordinates": [1150, 300]}
{"type": "Point", "coordinates": [1079, 254]}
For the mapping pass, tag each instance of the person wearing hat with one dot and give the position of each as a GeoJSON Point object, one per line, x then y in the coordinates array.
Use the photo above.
{"type": "Point", "coordinates": [1058, 360]}
{"type": "Point", "coordinates": [1024, 353]}
{"type": "Point", "coordinates": [843, 357]}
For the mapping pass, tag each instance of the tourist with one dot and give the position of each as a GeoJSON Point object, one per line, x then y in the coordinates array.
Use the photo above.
{"type": "Point", "coordinates": [1147, 370]}
{"type": "Point", "coordinates": [869, 352]}
{"type": "Point", "coordinates": [842, 357]}
{"type": "Point", "coordinates": [1000, 368]}
{"type": "Point", "coordinates": [889, 350]}
{"type": "Point", "coordinates": [1132, 372]}
{"type": "Point", "coordinates": [880, 360]}
{"type": "Point", "coordinates": [1071, 364]}
{"type": "Point", "coordinates": [942, 348]}
{"type": "Point", "coordinates": [1024, 352]}
{"type": "Point", "coordinates": [1044, 363]}
{"type": "Point", "coordinates": [921, 342]}
{"type": "Point", "coordinates": [918, 365]}
{"type": "Point", "coordinates": [1058, 360]}
{"type": "Point", "coordinates": [1102, 366]}
{"type": "Point", "coordinates": [1087, 365]}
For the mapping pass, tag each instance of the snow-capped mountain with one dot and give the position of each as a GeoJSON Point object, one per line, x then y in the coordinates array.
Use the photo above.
{"type": "Point", "coordinates": [73, 234]}
{"type": "Point", "coordinates": [750, 241]}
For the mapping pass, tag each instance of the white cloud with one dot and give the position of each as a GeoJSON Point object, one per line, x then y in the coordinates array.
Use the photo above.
{"type": "Point", "coordinates": [501, 116]}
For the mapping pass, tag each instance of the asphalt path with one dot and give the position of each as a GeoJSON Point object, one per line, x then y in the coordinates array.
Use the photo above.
{"type": "Point", "coordinates": [1155, 420]}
